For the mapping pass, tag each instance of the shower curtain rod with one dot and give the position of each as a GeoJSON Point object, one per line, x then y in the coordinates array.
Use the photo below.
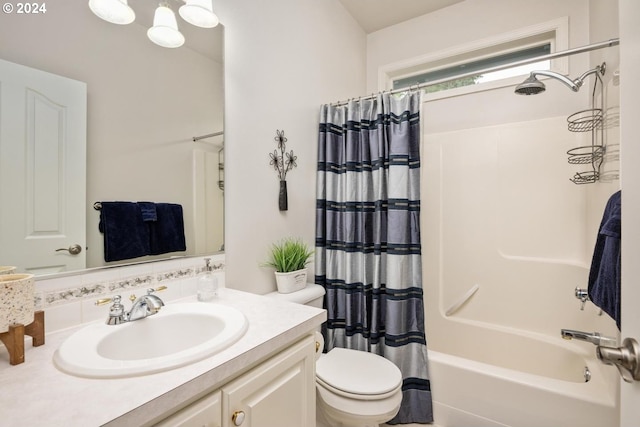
{"type": "Point", "coordinates": [209, 135]}
{"type": "Point", "coordinates": [568, 52]}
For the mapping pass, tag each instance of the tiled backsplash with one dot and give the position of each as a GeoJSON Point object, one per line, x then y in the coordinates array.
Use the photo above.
{"type": "Point", "coordinates": [69, 301]}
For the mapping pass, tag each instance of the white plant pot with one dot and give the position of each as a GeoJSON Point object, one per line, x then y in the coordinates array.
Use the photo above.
{"type": "Point", "coordinates": [292, 281]}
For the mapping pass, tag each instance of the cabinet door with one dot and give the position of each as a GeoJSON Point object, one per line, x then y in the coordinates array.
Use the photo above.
{"type": "Point", "coordinates": [277, 393]}
{"type": "Point", "coordinates": [206, 412]}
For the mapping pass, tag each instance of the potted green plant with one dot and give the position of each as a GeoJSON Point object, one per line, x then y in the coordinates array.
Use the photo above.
{"type": "Point", "coordinates": [290, 258]}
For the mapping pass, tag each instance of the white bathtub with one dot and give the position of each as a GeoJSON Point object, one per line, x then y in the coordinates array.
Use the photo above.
{"type": "Point", "coordinates": [497, 378]}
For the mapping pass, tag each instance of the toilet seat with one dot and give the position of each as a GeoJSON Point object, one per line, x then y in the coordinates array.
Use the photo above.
{"type": "Point", "coordinates": [356, 388]}
{"type": "Point", "coordinates": [348, 373]}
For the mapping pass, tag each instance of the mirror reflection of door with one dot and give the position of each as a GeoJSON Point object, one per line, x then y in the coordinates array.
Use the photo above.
{"type": "Point", "coordinates": [42, 170]}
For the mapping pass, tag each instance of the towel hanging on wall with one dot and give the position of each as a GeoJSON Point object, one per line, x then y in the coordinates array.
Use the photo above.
{"type": "Point", "coordinates": [136, 229]}
{"type": "Point", "coordinates": [604, 277]}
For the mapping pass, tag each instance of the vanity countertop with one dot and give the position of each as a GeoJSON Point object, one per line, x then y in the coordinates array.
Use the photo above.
{"type": "Point", "coordinates": [37, 393]}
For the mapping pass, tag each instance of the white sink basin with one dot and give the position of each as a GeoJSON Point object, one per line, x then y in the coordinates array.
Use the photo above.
{"type": "Point", "coordinates": [178, 335]}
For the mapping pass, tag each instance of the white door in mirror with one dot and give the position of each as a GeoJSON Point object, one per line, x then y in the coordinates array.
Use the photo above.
{"type": "Point", "coordinates": [43, 139]}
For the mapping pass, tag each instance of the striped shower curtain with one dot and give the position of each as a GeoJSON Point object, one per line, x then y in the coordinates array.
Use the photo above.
{"type": "Point", "coordinates": [368, 253]}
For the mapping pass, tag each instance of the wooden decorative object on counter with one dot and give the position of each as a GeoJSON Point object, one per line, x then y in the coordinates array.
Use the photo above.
{"type": "Point", "coordinates": [13, 339]}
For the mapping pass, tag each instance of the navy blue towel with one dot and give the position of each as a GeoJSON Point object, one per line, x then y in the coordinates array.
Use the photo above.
{"type": "Point", "coordinates": [126, 235]}
{"type": "Point", "coordinates": [167, 232]}
{"type": "Point", "coordinates": [604, 277]}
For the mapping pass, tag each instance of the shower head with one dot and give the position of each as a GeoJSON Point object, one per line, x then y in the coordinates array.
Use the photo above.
{"type": "Point", "coordinates": [533, 86]}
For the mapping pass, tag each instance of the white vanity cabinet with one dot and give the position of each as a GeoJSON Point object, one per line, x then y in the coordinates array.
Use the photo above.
{"type": "Point", "coordinates": [279, 392]}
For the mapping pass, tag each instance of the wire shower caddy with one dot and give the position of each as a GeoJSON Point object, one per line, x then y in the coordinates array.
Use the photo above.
{"type": "Point", "coordinates": [589, 120]}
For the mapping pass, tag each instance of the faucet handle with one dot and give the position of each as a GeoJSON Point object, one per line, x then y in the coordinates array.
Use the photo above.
{"type": "Point", "coordinates": [116, 311]}
{"type": "Point", "coordinates": [582, 295]}
{"type": "Point", "coordinates": [626, 358]}
{"type": "Point", "coordinates": [103, 301]}
{"type": "Point", "coordinates": [150, 291]}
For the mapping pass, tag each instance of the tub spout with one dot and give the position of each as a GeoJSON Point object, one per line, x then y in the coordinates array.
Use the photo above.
{"type": "Point", "coordinates": [593, 337]}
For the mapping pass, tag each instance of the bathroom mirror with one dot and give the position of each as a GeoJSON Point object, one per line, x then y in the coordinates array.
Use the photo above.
{"type": "Point", "coordinates": [145, 106]}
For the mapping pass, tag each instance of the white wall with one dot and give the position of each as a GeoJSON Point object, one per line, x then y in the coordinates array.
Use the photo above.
{"type": "Point", "coordinates": [283, 60]}
{"type": "Point", "coordinates": [145, 103]}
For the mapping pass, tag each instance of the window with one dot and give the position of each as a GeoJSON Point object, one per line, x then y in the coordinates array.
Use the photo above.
{"type": "Point", "coordinates": [527, 43]}
{"type": "Point", "coordinates": [468, 67]}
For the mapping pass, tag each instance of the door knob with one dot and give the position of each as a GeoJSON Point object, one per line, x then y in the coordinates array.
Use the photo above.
{"type": "Point", "coordinates": [73, 249]}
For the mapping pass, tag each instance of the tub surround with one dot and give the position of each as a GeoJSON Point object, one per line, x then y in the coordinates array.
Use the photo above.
{"type": "Point", "coordinates": [140, 400]}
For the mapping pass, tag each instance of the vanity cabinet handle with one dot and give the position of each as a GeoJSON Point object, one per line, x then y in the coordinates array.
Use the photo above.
{"type": "Point", "coordinates": [73, 249]}
{"type": "Point", "coordinates": [237, 418]}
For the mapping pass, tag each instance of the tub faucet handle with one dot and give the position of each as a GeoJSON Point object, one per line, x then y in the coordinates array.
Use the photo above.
{"type": "Point", "coordinates": [625, 358]}
{"type": "Point", "coordinates": [582, 295]}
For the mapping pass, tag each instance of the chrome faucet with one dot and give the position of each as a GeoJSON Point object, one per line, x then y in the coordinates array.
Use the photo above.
{"type": "Point", "coordinates": [593, 337]}
{"type": "Point", "coordinates": [144, 306]}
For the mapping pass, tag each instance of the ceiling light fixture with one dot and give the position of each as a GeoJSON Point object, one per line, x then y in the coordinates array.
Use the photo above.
{"type": "Point", "coordinates": [199, 13]}
{"type": "Point", "coordinates": [165, 31]}
{"type": "Point", "coordinates": [114, 11]}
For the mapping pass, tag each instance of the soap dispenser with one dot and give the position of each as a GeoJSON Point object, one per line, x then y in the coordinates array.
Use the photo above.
{"type": "Point", "coordinates": [207, 283]}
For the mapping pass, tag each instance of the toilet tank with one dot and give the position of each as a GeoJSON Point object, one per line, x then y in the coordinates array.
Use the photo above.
{"type": "Point", "coordinates": [311, 295]}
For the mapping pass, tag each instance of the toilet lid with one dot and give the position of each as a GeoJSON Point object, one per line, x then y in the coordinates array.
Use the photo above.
{"type": "Point", "coordinates": [358, 372]}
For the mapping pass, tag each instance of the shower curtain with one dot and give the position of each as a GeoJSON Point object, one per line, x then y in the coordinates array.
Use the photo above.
{"type": "Point", "coordinates": [368, 253]}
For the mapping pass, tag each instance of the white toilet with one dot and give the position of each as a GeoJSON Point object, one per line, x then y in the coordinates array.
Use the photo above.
{"type": "Point", "coordinates": [354, 388]}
